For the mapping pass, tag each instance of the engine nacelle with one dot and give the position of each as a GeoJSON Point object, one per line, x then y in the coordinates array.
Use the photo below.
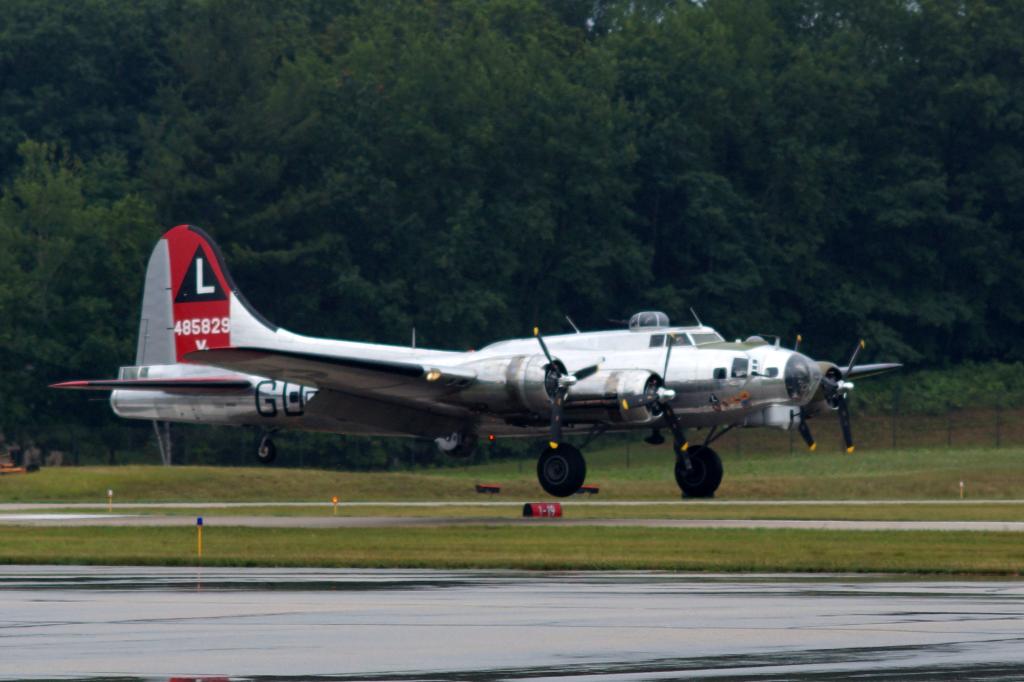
{"type": "Point", "coordinates": [599, 397]}
{"type": "Point", "coordinates": [516, 386]}
{"type": "Point", "coordinates": [525, 378]}
{"type": "Point", "coordinates": [508, 385]}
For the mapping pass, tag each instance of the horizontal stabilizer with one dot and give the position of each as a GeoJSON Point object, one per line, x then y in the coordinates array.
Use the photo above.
{"type": "Point", "coordinates": [188, 385]}
{"type": "Point", "coordinates": [861, 371]}
{"type": "Point", "coordinates": [389, 378]}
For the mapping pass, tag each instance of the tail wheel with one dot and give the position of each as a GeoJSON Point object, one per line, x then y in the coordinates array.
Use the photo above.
{"type": "Point", "coordinates": [705, 474]}
{"type": "Point", "coordinates": [562, 470]}
{"type": "Point", "coordinates": [267, 451]}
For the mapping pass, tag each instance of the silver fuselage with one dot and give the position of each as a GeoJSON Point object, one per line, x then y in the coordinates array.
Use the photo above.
{"type": "Point", "coordinates": [715, 382]}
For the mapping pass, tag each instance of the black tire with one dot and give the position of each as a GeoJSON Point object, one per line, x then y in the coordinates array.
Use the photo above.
{"type": "Point", "coordinates": [561, 471]}
{"type": "Point", "coordinates": [266, 452]}
{"type": "Point", "coordinates": [703, 479]}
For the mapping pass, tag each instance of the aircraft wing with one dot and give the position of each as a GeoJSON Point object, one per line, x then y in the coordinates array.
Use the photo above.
{"type": "Point", "coordinates": [349, 374]}
{"type": "Point", "coordinates": [181, 385]}
{"type": "Point", "coordinates": [861, 371]}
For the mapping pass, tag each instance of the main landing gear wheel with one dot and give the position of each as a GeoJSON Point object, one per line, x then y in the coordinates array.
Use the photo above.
{"type": "Point", "coordinates": [705, 474]}
{"type": "Point", "coordinates": [267, 451]}
{"type": "Point", "coordinates": [562, 470]}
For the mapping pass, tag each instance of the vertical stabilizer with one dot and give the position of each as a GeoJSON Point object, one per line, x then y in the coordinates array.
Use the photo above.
{"type": "Point", "coordinates": [190, 301]}
{"type": "Point", "coordinates": [156, 325]}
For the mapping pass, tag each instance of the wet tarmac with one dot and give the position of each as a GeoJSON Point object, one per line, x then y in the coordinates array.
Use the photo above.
{"type": "Point", "coordinates": [158, 623]}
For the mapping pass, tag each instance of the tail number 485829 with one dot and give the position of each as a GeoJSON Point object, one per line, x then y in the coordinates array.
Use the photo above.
{"type": "Point", "coordinates": [200, 326]}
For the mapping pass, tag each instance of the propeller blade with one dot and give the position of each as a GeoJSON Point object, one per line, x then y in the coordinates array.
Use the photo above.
{"type": "Point", "coordinates": [805, 433]}
{"type": "Point", "coordinates": [582, 374]}
{"type": "Point", "coordinates": [853, 358]}
{"type": "Point", "coordinates": [844, 423]}
{"type": "Point", "coordinates": [677, 429]}
{"type": "Point", "coordinates": [556, 418]}
{"type": "Point", "coordinates": [543, 346]}
{"type": "Point", "coordinates": [565, 382]}
{"type": "Point", "coordinates": [679, 441]}
{"type": "Point", "coordinates": [861, 371]}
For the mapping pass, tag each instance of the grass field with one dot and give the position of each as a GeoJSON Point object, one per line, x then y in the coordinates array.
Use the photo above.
{"type": "Point", "coordinates": [900, 474]}
{"type": "Point", "coordinates": [995, 475]}
{"type": "Point", "coordinates": [550, 548]}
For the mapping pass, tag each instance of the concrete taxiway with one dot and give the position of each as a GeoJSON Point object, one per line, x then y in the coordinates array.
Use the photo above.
{"type": "Point", "coordinates": [87, 622]}
{"type": "Point", "coordinates": [586, 501]}
{"type": "Point", "coordinates": [87, 519]}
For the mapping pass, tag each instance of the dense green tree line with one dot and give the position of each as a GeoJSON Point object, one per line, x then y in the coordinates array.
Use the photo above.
{"type": "Point", "coordinates": [837, 168]}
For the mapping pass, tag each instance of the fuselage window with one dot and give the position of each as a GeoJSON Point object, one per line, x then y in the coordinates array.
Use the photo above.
{"type": "Point", "coordinates": [739, 368]}
{"type": "Point", "coordinates": [771, 372]}
{"type": "Point", "coordinates": [681, 340]}
{"type": "Point", "coordinates": [657, 340]}
{"type": "Point", "coordinates": [720, 372]}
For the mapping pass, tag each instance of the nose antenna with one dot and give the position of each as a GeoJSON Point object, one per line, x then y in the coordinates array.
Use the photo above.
{"type": "Point", "coordinates": [694, 313]}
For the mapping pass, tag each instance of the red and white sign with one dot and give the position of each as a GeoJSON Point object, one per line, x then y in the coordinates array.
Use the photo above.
{"type": "Point", "coordinates": [549, 509]}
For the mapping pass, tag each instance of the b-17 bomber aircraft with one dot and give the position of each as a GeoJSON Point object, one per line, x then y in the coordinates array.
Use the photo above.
{"type": "Point", "coordinates": [205, 355]}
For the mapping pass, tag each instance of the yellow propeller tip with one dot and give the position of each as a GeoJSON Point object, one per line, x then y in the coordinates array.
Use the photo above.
{"type": "Point", "coordinates": [536, 331]}
{"type": "Point", "coordinates": [812, 447]}
{"type": "Point", "coordinates": [625, 404]}
{"type": "Point", "coordinates": [684, 447]}
{"type": "Point", "coordinates": [862, 344]}
{"type": "Point", "coordinates": [553, 445]}
{"type": "Point", "coordinates": [850, 449]}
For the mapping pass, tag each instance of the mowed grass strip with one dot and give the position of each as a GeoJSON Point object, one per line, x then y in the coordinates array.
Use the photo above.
{"type": "Point", "coordinates": [225, 484]}
{"type": "Point", "coordinates": [551, 548]}
{"type": "Point", "coordinates": [896, 474]}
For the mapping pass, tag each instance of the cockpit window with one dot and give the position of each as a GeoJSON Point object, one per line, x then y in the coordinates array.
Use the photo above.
{"type": "Point", "coordinates": [739, 368]}
{"type": "Point", "coordinates": [705, 337]}
{"type": "Point", "coordinates": [676, 339]}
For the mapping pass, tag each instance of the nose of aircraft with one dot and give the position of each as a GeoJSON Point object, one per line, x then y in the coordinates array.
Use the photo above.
{"type": "Point", "coordinates": [802, 377]}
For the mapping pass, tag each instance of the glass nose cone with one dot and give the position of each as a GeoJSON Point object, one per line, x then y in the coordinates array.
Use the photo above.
{"type": "Point", "coordinates": [801, 377]}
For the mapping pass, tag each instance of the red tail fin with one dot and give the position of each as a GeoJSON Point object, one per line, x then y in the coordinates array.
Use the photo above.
{"type": "Point", "coordinates": [200, 291]}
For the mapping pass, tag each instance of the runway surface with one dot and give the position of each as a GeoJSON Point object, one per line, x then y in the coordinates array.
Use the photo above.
{"type": "Point", "coordinates": [86, 519]}
{"type": "Point", "coordinates": [78, 622]}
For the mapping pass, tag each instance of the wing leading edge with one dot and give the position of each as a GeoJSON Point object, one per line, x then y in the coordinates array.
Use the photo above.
{"type": "Point", "coordinates": [862, 371]}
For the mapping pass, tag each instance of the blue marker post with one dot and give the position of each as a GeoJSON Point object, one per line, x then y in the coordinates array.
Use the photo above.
{"type": "Point", "coordinates": [199, 536]}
